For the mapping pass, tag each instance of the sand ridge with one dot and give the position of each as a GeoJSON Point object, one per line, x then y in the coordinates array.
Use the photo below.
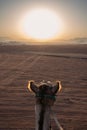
{"type": "Point", "coordinates": [17, 103]}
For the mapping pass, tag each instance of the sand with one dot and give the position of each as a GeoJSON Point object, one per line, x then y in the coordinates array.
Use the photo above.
{"type": "Point", "coordinates": [17, 66]}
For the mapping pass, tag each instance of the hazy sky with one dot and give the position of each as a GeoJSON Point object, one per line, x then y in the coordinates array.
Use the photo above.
{"type": "Point", "coordinates": [72, 12]}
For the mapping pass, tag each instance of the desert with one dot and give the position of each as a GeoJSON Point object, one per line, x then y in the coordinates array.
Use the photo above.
{"type": "Point", "coordinates": [21, 63]}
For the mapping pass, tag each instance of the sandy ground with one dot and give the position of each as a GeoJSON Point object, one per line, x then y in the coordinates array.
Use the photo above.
{"type": "Point", "coordinates": [17, 103]}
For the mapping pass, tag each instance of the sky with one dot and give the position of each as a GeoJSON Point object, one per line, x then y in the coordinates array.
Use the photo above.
{"type": "Point", "coordinates": [72, 12]}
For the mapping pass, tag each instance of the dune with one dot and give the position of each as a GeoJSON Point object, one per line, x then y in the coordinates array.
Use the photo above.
{"type": "Point", "coordinates": [18, 65]}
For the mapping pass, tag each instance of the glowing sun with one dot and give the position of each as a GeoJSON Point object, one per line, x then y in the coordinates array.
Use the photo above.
{"type": "Point", "coordinates": [41, 24]}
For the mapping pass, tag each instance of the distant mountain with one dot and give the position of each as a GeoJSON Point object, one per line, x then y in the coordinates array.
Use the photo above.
{"type": "Point", "coordinates": [11, 43]}
{"type": "Point", "coordinates": [8, 41]}
{"type": "Point", "coordinates": [80, 40]}
{"type": "Point", "coordinates": [3, 39]}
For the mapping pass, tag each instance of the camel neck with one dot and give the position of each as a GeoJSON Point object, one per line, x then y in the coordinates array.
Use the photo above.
{"type": "Point", "coordinates": [42, 117]}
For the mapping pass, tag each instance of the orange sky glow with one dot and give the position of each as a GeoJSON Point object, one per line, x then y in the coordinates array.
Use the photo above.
{"type": "Point", "coordinates": [43, 21]}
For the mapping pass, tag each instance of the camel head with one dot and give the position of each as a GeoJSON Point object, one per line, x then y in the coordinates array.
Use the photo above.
{"type": "Point", "coordinates": [45, 92]}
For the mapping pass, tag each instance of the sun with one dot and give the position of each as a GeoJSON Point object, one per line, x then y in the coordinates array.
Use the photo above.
{"type": "Point", "coordinates": [41, 24]}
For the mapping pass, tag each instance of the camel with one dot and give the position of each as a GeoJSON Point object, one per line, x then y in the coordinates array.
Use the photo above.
{"type": "Point", "coordinates": [45, 94]}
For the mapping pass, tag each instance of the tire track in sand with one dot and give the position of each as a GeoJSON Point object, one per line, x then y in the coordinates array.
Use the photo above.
{"type": "Point", "coordinates": [5, 61]}
{"type": "Point", "coordinates": [16, 66]}
{"type": "Point", "coordinates": [14, 75]}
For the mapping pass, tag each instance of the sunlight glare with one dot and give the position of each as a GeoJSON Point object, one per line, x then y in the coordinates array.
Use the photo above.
{"type": "Point", "coordinates": [41, 24]}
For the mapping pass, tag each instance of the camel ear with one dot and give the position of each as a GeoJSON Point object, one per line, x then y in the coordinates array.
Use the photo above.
{"type": "Point", "coordinates": [57, 87]}
{"type": "Point", "coordinates": [32, 87]}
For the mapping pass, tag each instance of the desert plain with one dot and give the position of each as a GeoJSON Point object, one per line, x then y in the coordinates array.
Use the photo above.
{"type": "Point", "coordinates": [19, 64]}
